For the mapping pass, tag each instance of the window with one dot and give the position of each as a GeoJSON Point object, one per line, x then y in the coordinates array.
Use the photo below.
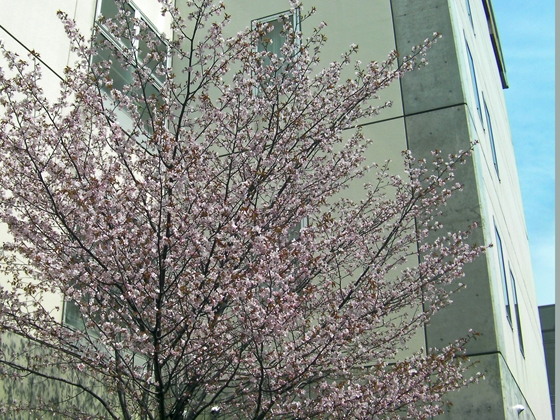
{"type": "Point", "coordinates": [503, 274]}
{"type": "Point", "coordinates": [132, 42]}
{"type": "Point", "coordinates": [294, 232]}
{"type": "Point", "coordinates": [276, 36]}
{"type": "Point", "coordinates": [517, 317]}
{"type": "Point", "coordinates": [474, 83]}
{"type": "Point", "coordinates": [491, 137]}
{"type": "Point", "coordinates": [144, 52]}
{"type": "Point", "coordinates": [72, 315]}
{"type": "Point", "coordinates": [468, 3]}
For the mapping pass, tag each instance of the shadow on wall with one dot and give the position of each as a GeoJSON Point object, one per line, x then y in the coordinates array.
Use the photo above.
{"type": "Point", "coordinates": [28, 397]}
{"type": "Point", "coordinates": [548, 328]}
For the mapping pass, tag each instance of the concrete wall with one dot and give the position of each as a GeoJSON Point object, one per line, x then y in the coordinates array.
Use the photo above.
{"type": "Point", "coordinates": [441, 111]}
{"type": "Point", "coordinates": [34, 24]}
{"type": "Point", "coordinates": [436, 108]}
{"type": "Point", "coordinates": [548, 324]}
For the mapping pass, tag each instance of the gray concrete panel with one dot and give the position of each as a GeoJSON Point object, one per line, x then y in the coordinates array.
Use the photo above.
{"type": "Point", "coordinates": [516, 407]}
{"type": "Point", "coordinates": [481, 401]}
{"type": "Point", "coordinates": [471, 309]}
{"type": "Point", "coordinates": [548, 328]}
{"type": "Point", "coordinates": [447, 130]}
{"type": "Point", "coordinates": [439, 84]}
{"type": "Point", "coordinates": [496, 397]}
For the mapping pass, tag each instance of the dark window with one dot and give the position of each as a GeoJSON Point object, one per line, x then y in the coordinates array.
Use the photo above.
{"type": "Point", "coordinates": [469, 12]}
{"type": "Point", "coordinates": [294, 232]}
{"type": "Point", "coordinates": [146, 62]}
{"type": "Point", "coordinates": [278, 28]}
{"type": "Point", "coordinates": [474, 83]}
{"type": "Point", "coordinates": [503, 274]}
{"type": "Point", "coordinates": [132, 43]}
{"type": "Point", "coordinates": [491, 137]}
{"type": "Point", "coordinates": [516, 309]}
{"type": "Point", "coordinates": [72, 315]}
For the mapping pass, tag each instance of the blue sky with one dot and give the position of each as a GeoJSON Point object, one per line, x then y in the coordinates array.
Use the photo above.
{"type": "Point", "coordinates": [526, 31]}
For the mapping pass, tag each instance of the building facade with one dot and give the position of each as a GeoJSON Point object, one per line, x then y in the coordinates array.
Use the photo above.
{"type": "Point", "coordinates": [454, 102]}
{"type": "Point", "coordinates": [547, 315]}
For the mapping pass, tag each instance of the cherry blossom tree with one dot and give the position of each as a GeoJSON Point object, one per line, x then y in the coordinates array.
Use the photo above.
{"type": "Point", "coordinates": [195, 225]}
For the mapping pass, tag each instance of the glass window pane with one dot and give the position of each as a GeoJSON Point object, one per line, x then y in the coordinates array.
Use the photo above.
{"type": "Point", "coordinates": [474, 82]}
{"type": "Point", "coordinates": [109, 8]}
{"type": "Point", "coordinates": [491, 137]}
{"type": "Point", "coordinates": [147, 114]}
{"type": "Point", "coordinates": [503, 275]}
{"type": "Point", "coordinates": [161, 49]}
{"type": "Point", "coordinates": [274, 39]}
{"type": "Point", "coordinates": [72, 315]}
{"type": "Point", "coordinates": [119, 76]}
{"type": "Point", "coordinates": [517, 316]}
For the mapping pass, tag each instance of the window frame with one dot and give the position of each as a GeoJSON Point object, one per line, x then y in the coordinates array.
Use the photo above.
{"type": "Point", "coordinates": [501, 262]}
{"type": "Point", "coordinates": [491, 138]}
{"type": "Point", "coordinates": [295, 16]}
{"type": "Point", "coordinates": [73, 318]}
{"type": "Point", "coordinates": [156, 81]}
{"type": "Point", "coordinates": [71, 315]}
{"type": "Point", "coordinates": [516, 310]}
{"type": "Point", "coordinates": [474, 81]}
{"type": "Point", "coordinates": [469, 13]}
{"type": "Point", "coordinates": [294, 233]}
{"type": "Point", "coordinates": [276, 19]}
